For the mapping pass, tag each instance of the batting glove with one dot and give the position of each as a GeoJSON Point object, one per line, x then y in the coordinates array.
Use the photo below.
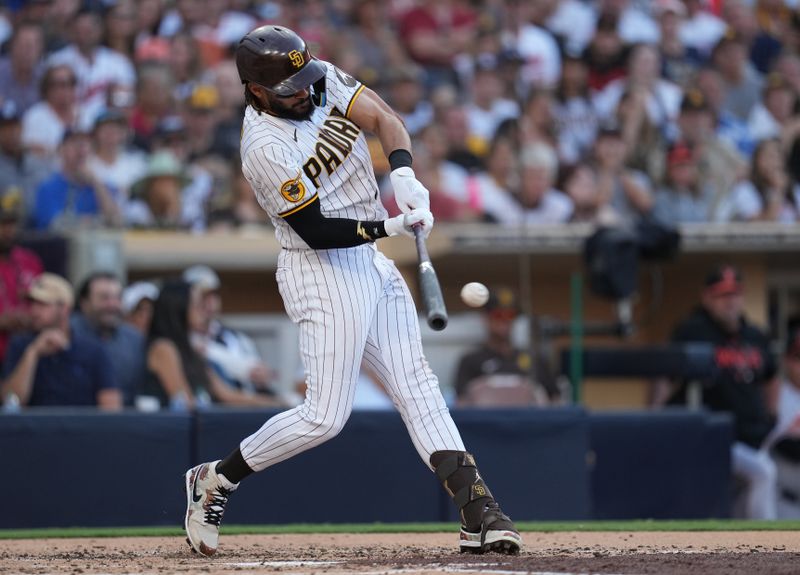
{"type": "Point", "coordinates": [403, 223]}
{"type": "Point", "coordinates": [409, 193]}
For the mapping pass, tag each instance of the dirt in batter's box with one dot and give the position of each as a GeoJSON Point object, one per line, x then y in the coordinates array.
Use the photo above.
{"type": "Point", "coordinates": [707, 553]}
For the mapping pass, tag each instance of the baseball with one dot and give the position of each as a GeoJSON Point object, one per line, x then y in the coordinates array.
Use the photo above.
{"type": "Point", "coordinates": [474, 294]}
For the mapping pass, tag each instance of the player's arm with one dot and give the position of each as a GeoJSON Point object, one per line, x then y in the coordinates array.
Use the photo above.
{"type": "Point", "coordinates": [369, 112]}
{"type": "Point", "coordinates": [321, 233]}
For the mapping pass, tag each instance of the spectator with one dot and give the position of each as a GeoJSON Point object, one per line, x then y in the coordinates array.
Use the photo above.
{"type": "Point", "coordinates": [230, 110]}
{"type": "Point", "coordinates": [720, 165]}
{"type": "Point", "coordinates": [185, 64]}
{"type": "Point", "coordinates": [99, 316]}
{"type": "Point", "coordinates": [20, 171]}
{"type": "Point", "coordinates": [112, 161]}
{"type": "Point", "coordinates": [21, 69]}
{"type": "Point", "coordinates": [18, 268]}
{"type": "Point", "coordinates": [744, 382]}
{"type": "Point", "coordinates": [55, 366]}
{"type": "Point", "coordinates": [540, 202]}
{"type": "Point", "coordinates": [44, 124]}
{"type": "Point", "coordinates": [633, 22]}
{"type": "Point", "coordinates": [74, 196]}
{"type": "Point", "coordinates": [770, 194]}
{"type": "Point", "coordinates": [662, 98]}
{"type": "Point", "coordinates": [404, 92]}
{"type": "Point", "coordinates": [137, 305]}
{"type": "Point", "coordinates": [679, 61]}
{"type": "Point", "coordinates": [775, 111]}
{"type": "Point", "coordinates": [606, 55]}
{"type": "Point", "coordinates": [645, 141]}
{"type": "Point", "coordinates": [741, 83]}
{"type": "Point", "coordinates": [579, 182]}
{"type": "Point", "coordinates": [464, 150]}
{"type": "Point", "coordinates": [684, 197]}
{"type": "Point", "coordinates": [232, 353]}
{"type": "Point", "coordinates": [200, 119]}
{"type": "Point", "coordinates": [373, 38]}
{"type": "Point", "coordinates": [498, 372]}
{"type": "Point", "coordinates": [730, 129]}
{"type": "Point", "coordinates": [538, 49]}
{"type": "Point", "coordinates": [488, 107]}
{"type": "Point", "coordinates": [156, 199]}
{"type": "Point", "coordinates": [239, 208]}
{"type": "Point", "coordinates": [573, 112]}
{"type": "Point", "coordinates": [154, 101]}
{"type": "Point", "coordinates": [786, 435]}
{"type": "Point", "coordinates": [701, 29]}
{"type": "Point", "coordinates": [96, 66]}
{"type": "Point", "coordinates": [178, 375]}
{"type": "Point", "coordinates": [434, 34]}
{"type": "Point", "coordinates": [495, 188]}
{"type": "Point", "coordinates": [626, 191]}
{"type": "Point", "coordinates": [120, 27]}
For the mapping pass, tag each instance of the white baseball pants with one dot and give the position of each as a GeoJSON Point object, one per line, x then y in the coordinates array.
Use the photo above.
{"type": "Point", "coordinates": [352, 304]}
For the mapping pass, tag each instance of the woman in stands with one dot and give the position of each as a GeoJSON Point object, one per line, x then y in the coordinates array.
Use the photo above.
{"type": "Point", "coordinates": [178, 374]}
{"type": "Point", "coordinates": [770, 194]}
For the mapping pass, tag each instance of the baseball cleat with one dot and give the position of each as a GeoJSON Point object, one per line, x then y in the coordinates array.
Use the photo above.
{"type": "Point", "coordinates": [497, 534]}
{"type": "Point", "coordinates": [206, 498]}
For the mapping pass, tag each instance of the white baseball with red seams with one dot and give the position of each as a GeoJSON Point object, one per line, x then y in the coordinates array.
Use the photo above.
{"type": "Point", "coordinates": [475, 294]}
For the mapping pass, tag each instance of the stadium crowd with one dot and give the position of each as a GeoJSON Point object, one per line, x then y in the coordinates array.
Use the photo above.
{"type": "Point", "coordinates": [127, 114]}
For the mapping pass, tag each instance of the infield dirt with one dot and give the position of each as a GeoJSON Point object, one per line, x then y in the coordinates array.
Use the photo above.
{"type": "Point", "coordinates": [661, 553]}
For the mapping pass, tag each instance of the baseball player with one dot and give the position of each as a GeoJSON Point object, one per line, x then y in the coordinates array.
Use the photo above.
{"type": "Point", "coordinates": [305, 156]}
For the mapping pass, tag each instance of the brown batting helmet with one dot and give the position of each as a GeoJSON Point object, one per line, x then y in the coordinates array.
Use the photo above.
{"type": "Point", "coordinates": [277, 59]}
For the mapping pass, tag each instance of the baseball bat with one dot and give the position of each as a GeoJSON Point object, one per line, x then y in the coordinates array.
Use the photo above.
{"type": "Point", "coordinates": [429, 285]}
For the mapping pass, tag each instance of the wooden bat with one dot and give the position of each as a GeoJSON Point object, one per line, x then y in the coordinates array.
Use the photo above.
{"type": "Point", "coordinates": [429, 285]}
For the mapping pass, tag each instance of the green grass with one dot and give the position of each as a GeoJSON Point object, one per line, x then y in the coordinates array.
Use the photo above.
{"type": "Point", "coordinates": [544, 526]}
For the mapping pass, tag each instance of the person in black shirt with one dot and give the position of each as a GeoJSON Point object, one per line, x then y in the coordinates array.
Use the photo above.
{"type": "Point", "coordinates": [497, 372]}
{"type": "Point", "coordinates": [744, 382]}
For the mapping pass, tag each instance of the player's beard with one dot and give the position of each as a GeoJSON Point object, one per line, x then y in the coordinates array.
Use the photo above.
{"type": "Point", "coordinates": [298, 111]}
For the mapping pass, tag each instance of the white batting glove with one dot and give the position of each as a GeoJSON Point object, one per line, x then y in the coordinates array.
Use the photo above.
{"type": "Point", "coordinates": [409, 193]}
{"type": "Point", "coordinates": [403, 223]}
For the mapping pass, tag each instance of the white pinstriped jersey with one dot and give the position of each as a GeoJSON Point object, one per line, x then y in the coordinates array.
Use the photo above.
{"type": "Point", "coordinates": [291, 163]}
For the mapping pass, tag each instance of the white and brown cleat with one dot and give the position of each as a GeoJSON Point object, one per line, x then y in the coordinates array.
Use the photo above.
{"type": "Point", "coordinates": [206, 497]}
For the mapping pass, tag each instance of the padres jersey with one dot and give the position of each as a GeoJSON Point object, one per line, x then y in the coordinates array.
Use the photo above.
{"type": "Point", "coordinates": [290, 164]}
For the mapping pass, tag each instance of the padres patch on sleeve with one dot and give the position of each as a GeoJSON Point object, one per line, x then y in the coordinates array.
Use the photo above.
{"type": "Point", "coordinates": [293, 190]}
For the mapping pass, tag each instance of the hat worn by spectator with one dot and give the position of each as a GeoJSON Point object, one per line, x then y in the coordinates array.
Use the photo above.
{"type": "Point", "coordinates": [204, 98]}
{"type": "Point", "coordinates": [73, 132]}
{"type": "Point", "coordinates": [502, 302]}
{"type": "Point", "coordinates": [11, 205]}
{"type": "Point", "coordinates": [162, 164]}
{"type": "Point", "coordinates": [775, 81]}
{"type": "Point", "coordinates": [724, 280]}
{"type": "Point", "coordinates": [202, 276]}
{"type": "Point", "coordinates": [51, 289]}
{"type": "Point", "coordinates": [694, 101]}
{"type": "Point", "coordinates": [109, 115]}
{"type": "Point", "coordinates": [136, 293]}
{"type": "Point", "coordinates": [9, 113]}
{"type": "Point", "coordinates": [609, 127]}
{"type": "Point", "coordinates": [170, 126]}
{"type": "Point", "coordinates": [679, 153]}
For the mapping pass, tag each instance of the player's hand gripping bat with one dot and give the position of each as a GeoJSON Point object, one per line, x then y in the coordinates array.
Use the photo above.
{"type": "Point", "coordinates": [429, 285]}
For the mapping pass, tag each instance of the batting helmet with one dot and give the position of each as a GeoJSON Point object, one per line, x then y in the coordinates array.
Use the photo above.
{"type": "Point", "coordinates": [277, 59]}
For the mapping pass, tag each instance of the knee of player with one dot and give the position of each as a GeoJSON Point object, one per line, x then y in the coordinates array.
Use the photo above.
{"type": "Point", "coordinates": [328, 425]}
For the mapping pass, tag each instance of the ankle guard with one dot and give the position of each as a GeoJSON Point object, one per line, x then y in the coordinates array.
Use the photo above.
{"type": "Point", "coordinates": [459, 476]}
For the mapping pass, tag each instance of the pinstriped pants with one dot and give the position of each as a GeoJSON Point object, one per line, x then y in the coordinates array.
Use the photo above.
{"type": "Point", "coordinates": [352, 304]}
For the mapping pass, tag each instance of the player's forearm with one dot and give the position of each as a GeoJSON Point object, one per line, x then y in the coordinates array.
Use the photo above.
{"type": "Point", "coordinates": [321, 233]}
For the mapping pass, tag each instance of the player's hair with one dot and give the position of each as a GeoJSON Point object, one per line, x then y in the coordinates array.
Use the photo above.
{"type": "Point", "coordinates": [251, 100]}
